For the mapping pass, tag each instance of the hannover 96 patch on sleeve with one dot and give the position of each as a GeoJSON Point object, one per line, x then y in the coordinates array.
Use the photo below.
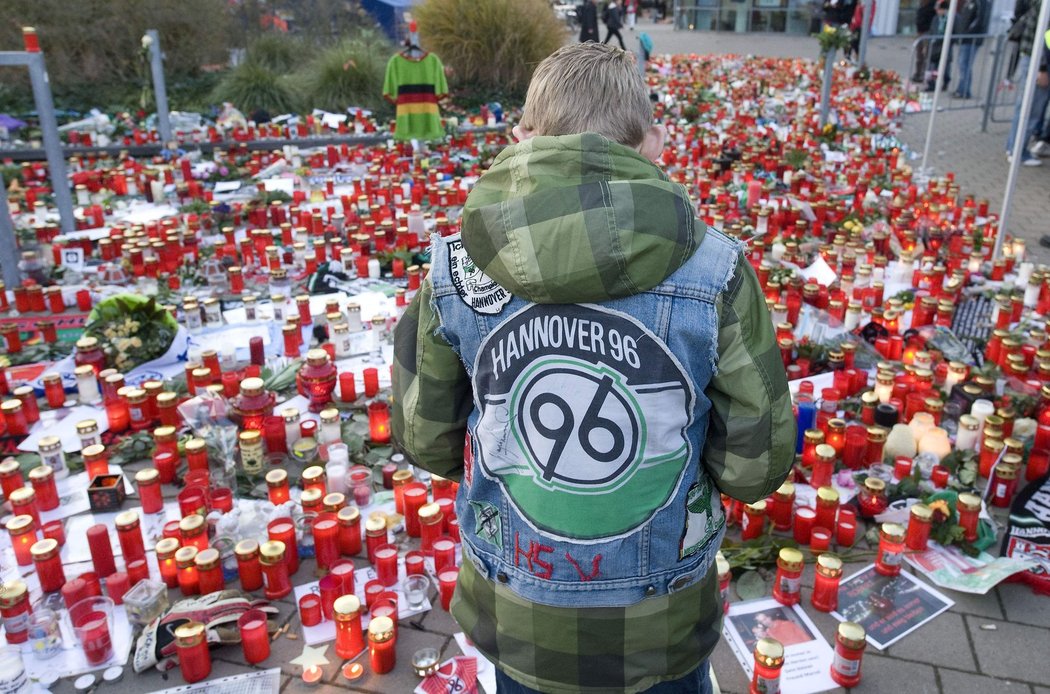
{"type": "Point", "coordinates": [474, 287]}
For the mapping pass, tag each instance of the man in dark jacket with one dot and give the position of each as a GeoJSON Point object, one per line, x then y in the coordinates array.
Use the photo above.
{"type": "Point", "coordinates": [613, 23]}
{"type": "Point", "coordinates": [839, 12]}
{"type": "Point", "coordinates": [924, 17]}
{"type": "Point", "coordinates": [971, 18]}
{"type": "Point", "coordinates": [588, 16]}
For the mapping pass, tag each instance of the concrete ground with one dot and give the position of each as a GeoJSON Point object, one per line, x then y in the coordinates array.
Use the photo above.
{"type": "Point", "coordinates": [991, 643]}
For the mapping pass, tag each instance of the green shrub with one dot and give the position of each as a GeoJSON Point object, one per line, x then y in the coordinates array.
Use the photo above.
{"type": "Point", "coordinates": [251, 86]}
{"type": "Point", "coordinates": [493, 44]}
{"type": "Point", "coordinates": [279, 52]}
{"type": "Point", "coordinates": [349, 73]}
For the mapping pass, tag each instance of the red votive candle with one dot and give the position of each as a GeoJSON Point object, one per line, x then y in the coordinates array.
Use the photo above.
{"type": "Point", "coordinates": [386, 565]}
{"type": "Point", "coordinates": [310, 610]}
{"type": "Point", "coordinates": [255, 641]}
{"type": "Point", "coordinates": [101, 550]}
{"type": "Point", "coordinates": [804, 518]}
{"type": "Point", "coordinates": [447, 585]}
{"type": "Point", "coordinates": [444, 553]}
{"type": "Point", "coordinates": [283, 530]}
{"type": "Point", "coordinates": [116, 586]}
{"type": "Point", "coordinates": [326, 540]}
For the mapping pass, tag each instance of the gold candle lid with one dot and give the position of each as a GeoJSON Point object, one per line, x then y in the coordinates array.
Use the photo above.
{"type": "Point", "coordinates": [893, 531]}
{"type": "Point", "coordinates": [191, 523]}
{"type": "Point", "coordinates": [347, 605]}
{"type": "Point", "coordinates": [380, 629]}
{"type": "Point", "coordinates": [44, 549]}
{"type": "Point", "coordinates": [276, 477]}
{"type": "Point", "coordinates": [186, 555]}
{"type": "Point", "coordinates": [828, 495]}
{"type": "Point", "coordinates": [20, 524]}
{"type": "Point", "coordinates": [970, 502]}
{"type": "Point", "coordinates": [791, 558]}
{"type": "Point", "coordinates": [272, 551]}
{"type": "Point", "coordinates": [874, 484]}
{"type": "Point", "coordinates": [922, 512]}
{"type": "Point", "coordinates": [189, 634]}
{"type": "Point", "coordinates": [851, 634]}
{"type": "Point", "coordinates": [787, 489]}
{"type": "Point", "coordinates": [348, 514]}
{"type": "Point", "coordinates": [829, 565]}
{"type": "Point", "coordinates": [207, 558]}
{"type": "Point", "coordinates": [757, 507]}
{"type": "Point", "coordinates": [129, 520]}
{"type": "Point", "coordinates": [147, 476]}
{"type": "Point", "coordinates": [166, 547]}
{"type": "Point", "coordinates": [769, 652]}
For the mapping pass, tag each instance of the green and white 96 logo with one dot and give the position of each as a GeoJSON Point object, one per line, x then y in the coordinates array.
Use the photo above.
{"type": "Point", "coordinates": [584, 414]}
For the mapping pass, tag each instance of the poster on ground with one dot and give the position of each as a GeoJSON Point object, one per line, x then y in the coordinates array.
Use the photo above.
{"type": "Point", "coordinates": [949, 568]}
{"type": "Point", "coordinates": [807, 655]}
{"type": "Point", "coordinates": [888, 607]}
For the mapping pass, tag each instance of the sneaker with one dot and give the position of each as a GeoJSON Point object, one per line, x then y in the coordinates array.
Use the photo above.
{"type": "Point", "coordinates": [1041, 148]}
{"type": "Point", "coordinates": [1032, 161]}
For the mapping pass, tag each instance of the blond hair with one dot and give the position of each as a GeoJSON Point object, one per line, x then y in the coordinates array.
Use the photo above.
{"type": "Point", "coordinates": [589, 87]}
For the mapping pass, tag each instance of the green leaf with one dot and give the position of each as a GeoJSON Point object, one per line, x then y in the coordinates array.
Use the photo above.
{"type": "Point", "coordinates": [751, 586]}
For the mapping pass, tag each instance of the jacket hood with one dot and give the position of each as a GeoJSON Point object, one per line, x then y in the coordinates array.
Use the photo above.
{"type": "Point", "coordinates": [577, 218]}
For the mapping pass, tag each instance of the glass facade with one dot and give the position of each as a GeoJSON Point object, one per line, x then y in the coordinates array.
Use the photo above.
{"type": "Point", "coordinates": [801, 17]}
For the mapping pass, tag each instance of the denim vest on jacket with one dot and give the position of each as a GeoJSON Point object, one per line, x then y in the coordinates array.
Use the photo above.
{"type": "Point", "coordinates": [582, 482]}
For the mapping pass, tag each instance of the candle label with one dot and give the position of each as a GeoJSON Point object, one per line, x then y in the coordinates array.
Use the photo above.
{"type": "Point", "coordinates": [892, 558]}
{"type": "Point", "coordinates": [475, 288]}
{"type": "Point", "coordinates": [579, 385]}
{"type": "Point", "coordinates": [14, 684]}
{"type": "Point", "coordinates": [767, 685]}
{"type": "Point", "coordinates": [845, 666]}
{"type": "Point", "coordinates": [16, 623]}
{"type": "Point", "coordinates": [789, 585]}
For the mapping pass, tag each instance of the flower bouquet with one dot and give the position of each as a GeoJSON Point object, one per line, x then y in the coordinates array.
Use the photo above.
{"type": "Point", "coordinates": [131, 329]}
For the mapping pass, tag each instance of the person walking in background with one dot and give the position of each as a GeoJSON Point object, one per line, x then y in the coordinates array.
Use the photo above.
{"type": "Point", "coordinates": [631, 9]}
{"type": "Point", "coordinates": [1026, 35]}
{"type": "Point", "coordinates": [970, 18]}
{"type": "Point", "coordinates": [838, 12]}
{"type": "Point", "coordinates": [855, 27]}
{"type": "Point", "coordinates": [924, 16]}
{"type": "Point", "coordinates": [588, 15]}
{"type": "Point", "coordinates": [613, 23]}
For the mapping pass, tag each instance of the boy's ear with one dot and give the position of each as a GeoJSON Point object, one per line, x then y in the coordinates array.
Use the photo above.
{"type": "Point", "coordinates": [653, 144]}
{"type": "Point", "coordinates": [521, 134]}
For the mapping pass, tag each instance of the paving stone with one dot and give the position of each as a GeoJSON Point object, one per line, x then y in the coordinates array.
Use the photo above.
{"type": "Point", "coordinates": [1010, 651]}
{"type": "Point", "coordinates": [948, 646]}
{"type": "Point", "coordinates": [731, 677]}
{"type": "Point", "coordinates": [957, 682]}
{"type": "Point", "coordinates": [980, 605]}
{"type": "Point", "coordinates": [1023, 606]}
{"type": "Point", "coordinates": [881, 674]}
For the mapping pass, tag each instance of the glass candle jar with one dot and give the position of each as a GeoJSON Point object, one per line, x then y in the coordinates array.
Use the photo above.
{"type": "Point", "coordinates": [333, 502]}
{"type": "Point", "coordinates": [252, 404]}
{"type": "Point", "coordinates": [14, 418]}
{"type": "Point", "coordinates": [277, 486]}
{"type": "Point", "coordinates": [87, 385]}
{"type": "Point", "coordinates": [23, 502]}
{"type": "Point", "coordinates": [248, 567]}
{"type": "Point", "coordinates": [381, 645]}
{"type": "Point", "coordinates": [783, 505]}
{"type": "Point", "coordinates": [54, 391]}
{"type": "Point", "coordinates": [891, 549]}
{"type": "Point", "coordinates": [317, 379]}
{"type": "Point", "coordinates": [1003, 483]}
{"type": "Point", "coordinates": [253, 457]}
{"type": "Point", "coordinates": [96, 461]}
{"type": "Point", "coordinates": [920, 518]}
{"type": "Point", "coordinates": [169, 572]}
{"type": "Point", "coordinates": [826, 582]}
{"type": "Point", "coordinates": [325, 529]}
{"type": "Point", "coordinates": [872, 498]}
{"type": "Point", "coordinates": [349, 519]}
{"type": "Point", "coordinates": [15, 610]}
{"type": "Point", "coordinates": [431, 521]}
{"type": "Point", "coordinates": [849, 648]}
{"type": "Point", "coordinates": [52, 456]}
{"type": "Point", "coordinates": [192, 644]}
{"type": "Point", "coordinates": [101, 550]}
{"type": "Point", "coordinates": [753, 522]}
{"type": "Point", "coordinates": [10, 477]}
{"type": "Point", "coordinates": [827, 507]}
{"type": "Point", "coordinates": [386, 565]}
{"type": "Point", "coordinates": [275, 570]}
{"type": "Point", "coordinates": [312, 501]}
{"type": "Point", "coordinates": [349, 641]}
{"type": "Point", "coordinates": [314, 478]}
{"type": "Point", "coordinates": [787, 586]}
{"type": "Point", "coordinates": [129, 533]}
{"type": "Point", "coordinates": [376, 535]}
{"type": "Point", "coordinates": [23, 534]}
{"type": "Point", "coordinates": [969, 510]}
{"type": "Point", "coordinates": [876, 444]}
{"type": "Point", "coordinates": [991, 449]}
{"type": "Point", "coordinates": [167, 413]}
{"type": "Point", "coordinates": [150, 496]}
{"type": "Point", "coordinates": [209, 571]}
{"type": "Point", "coordinates": [48, 565]}
{"type": "Point", "coordinates": [415, 497]}
{"type": "Point", "coordinates": [186, 563]}
{"type": "Point", "coordinates": [769, 660]}
{"type": "Point", "coordinates": [255, 641]}
{"type": "Point", "coordinates": [43, 480]}
{"type": "Point", "coordinates": [193, 530]}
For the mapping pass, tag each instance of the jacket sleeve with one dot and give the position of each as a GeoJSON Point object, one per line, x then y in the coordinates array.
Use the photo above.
{"type": "Point", "coordinates": [432, 392]}
{"type": "Point", "coordinates": [750, 443]}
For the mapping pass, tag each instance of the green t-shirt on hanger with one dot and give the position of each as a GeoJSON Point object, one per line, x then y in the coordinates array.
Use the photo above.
{"type": "Point", "coordinates": [414, 85]}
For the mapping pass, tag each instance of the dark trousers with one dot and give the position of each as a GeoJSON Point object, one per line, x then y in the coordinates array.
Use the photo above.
{"type": "Point", "coordinates": [616, 33]}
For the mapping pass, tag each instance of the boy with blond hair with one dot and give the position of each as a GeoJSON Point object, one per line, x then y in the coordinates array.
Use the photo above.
{"type": "Point", "coordinates": [595, 366]}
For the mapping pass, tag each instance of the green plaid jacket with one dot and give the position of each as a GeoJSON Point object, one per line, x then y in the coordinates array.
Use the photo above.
{"type": "Point", "coordinates": [750, 441]}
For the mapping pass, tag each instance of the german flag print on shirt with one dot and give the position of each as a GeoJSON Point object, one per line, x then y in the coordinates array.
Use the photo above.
{"type": "Point", "coordinates": [414, 86]}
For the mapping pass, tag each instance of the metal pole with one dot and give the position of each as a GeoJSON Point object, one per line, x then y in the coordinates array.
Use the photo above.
{"type": "Point", "coordinates": [862, 50]}
{"type": "Point", "coordinates": [56, 162]}
{"type": "Point", "coordinates": [1021, 136]}
{"type": "Point", "coordinates": [942, 65]}
{"type": "Point", "coordinates": [160, 90]}
{"type": "Point", "coordinates": [825, 87]}
{"type": "Point", "coordinates": [993, 81]}
{"type": "Point", "coordinates": [8, 243]}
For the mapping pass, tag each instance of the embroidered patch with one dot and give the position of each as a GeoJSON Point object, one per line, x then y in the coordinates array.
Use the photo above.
{"type": "Point", "coordinates": [584, 414]}
{"type": "Point", "coordinates": [705, 517]}
{"type": "Point", "coordinates": [475, 288]}
{"type": "Point", "coordinates": [488, 525]}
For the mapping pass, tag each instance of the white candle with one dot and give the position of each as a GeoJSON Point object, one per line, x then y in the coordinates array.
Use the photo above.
{"type": "Point", "coordinates": [966, 437]}
{"type": "Point", "coordinates": [981, 410]}
{"type": "Point", "coordinates": [157, 189]}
